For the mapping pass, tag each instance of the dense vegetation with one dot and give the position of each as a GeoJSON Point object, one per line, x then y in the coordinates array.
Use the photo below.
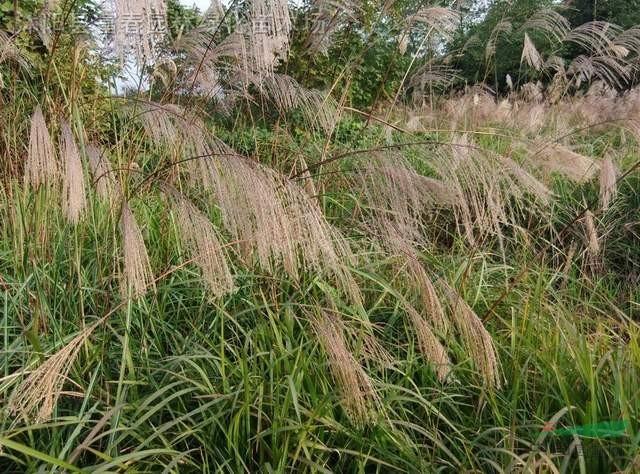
{"type": "Point", "coordinates": [322, 237]}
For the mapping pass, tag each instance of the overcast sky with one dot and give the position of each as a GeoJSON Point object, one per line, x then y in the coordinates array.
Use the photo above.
{"type": "Point", "coordinates": [201, 4]}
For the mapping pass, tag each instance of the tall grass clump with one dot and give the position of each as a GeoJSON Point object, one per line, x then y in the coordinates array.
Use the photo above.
{"type": "Point", "coordinates": [297, 240]}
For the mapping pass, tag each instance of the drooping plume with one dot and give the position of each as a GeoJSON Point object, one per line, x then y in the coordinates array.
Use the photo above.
{"type": "Point", "coordinates": [103, 177]}
{"type": "Point", "coordinates": [490, 188]}
{"type": "Point", "coordinates": [137, 274]}
{"type": "Point", "coordinates": [267, 34]}
{"type": "Point", "coordinates": [10, 51]}
{"type": "Point", "coordinates": [41, 165]}
{"type": "Point", "coordinates": [476, 338]}
{"type": "Point", "coordinates": [36, 397]}
{"type": "Point", "coordinates": [608, 177]}
{"type": "Point", "coordinates": [408, 263]}
{"type": "Point", "coordinates": [429, 345]}
{"type": "Point", "coordinates": [550, 22]}
{"type": "Point", "coordinates": [440, 20]}
{"type": "Point", "coordinates": [203, 243]}
{"type": "Point", "coordinates": [318, 110]}
{"type": "Point", "coordinates": [359, 398]}
{"type": "Point", "coordinates": [164, 123]}
{"type": "Point", "coordinates": [398, 195]}
{"type": "Point", "coordinates": [329, 16]}
{"type": "Point", "coordinates": [560, 159]}
{"type": "Point", "coordinates": [275, 220]}
{"type": "Point", "coordinates": [74, 199]}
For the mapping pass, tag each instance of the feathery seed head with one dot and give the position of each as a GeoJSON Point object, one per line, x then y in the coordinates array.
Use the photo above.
{"type": "Point", "coordinates": [36, 397]}
{"type": "Point", "coordinates": [103, 177]}
{"type": "Point", "coordinates": [41, 165]}
{"type": "Point", "coordinates": [200, 237]}
{"type": "Point", "coordinates": [475, 337]}
{"type": "Point", "coordinates": [137, 274]}
{"type": "Point", "coordinates": [359, 398]}
{"type": "Point", "coordinates": [429, 345]}
{"type": "Point", "coordinates": [74, 198]}
{"type": "Point", "coordinates": [608, 178]}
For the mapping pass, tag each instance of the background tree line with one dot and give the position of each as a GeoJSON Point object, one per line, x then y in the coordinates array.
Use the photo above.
{"type": "Point", "coordinates": [366, 53]}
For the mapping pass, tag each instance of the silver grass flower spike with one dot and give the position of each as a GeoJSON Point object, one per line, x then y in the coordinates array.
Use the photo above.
{"type": "Point", "coordinates": [41, 165]}
{"type": "Point", "coordinates": [74, 198]}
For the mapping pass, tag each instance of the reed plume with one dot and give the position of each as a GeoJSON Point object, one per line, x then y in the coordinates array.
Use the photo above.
{"type": "Point", "coordinates": [568, 264]}
{"type": "Point", "coordinates": [329, 16]}
{"type": "Point", "coordinates": [74, 198]}
{"type": "Point", "coordinates": [504, 26]}
{"type": "Point", "coordinates": [166, 71]}
{"type": "Point", "coordinates": [593, 243]}
{"type": "Point", "coordinates": [140, 37]}
{"type": "Point", "coordinates": [202, 241]}
{"type": "Point", "coordinates": [103, 177]}
{"type": "Point", "coordinates": [275, 220]}
{"type": "Point", "coordinates": [319, 111]}
{"type": "Point", "coordinates": [526, 180]}
{"type": "Point", "coordinates": [10, 51]}
{"type": "Point", "coordinates": [548, 21]}
{"type": "Point", "coordinates": [608, 181]}
{"type": "Point", "coordinates": [163, 123]}
{"type": "Point", "coordinates": [596, 37]}
{"type": "Point", "coordinates": [475, 337]}
{"type": "Point", "coordinates": [430, 300]}
{"type": "Point", "coordinates": [358, 396]}
{"type": "Point", "coordinates": [491, 189]}
{"type": "Point", "coordinates": [408, 262]}
{"type": "Point", "coordinates": [267, 33]}
{"type": "Point", "coordinates": [560, 159]}
{"type": "Point", "coordinates": [36, 397]}
{"type": "Point", "coordinates": [530, 54]}
{"type": "Point", "coordinates": [373, 350]}
{"type": "Point", "coordinates": [429, 345]}
{"type": "Point", "coordinates": [398, 195]}
{"type": "Point", "coordinates": [431, 77]}
{"type": "Point", "coordinates": [437, 19]}
{"type": "Point", "coordinates": [41, 165]}
{"type": "Point", "coordinates": [137, 274]}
